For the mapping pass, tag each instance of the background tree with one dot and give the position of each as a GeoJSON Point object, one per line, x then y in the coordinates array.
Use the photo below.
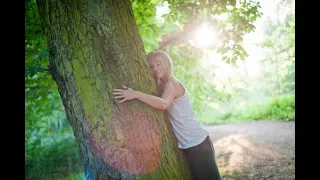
{"type": "Point", "coordinates": [279, 61]}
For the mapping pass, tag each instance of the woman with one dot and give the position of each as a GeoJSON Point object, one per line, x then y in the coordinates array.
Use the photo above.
{"type": "Point", "coordinates": [193, 139]}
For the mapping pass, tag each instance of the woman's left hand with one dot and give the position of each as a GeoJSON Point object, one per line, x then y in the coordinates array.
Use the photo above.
{"type": "Point", "coordinates": [125, 94]}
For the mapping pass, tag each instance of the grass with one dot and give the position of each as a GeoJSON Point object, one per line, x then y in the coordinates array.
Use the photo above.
{"type": "Point", "coordinates": [226, 174]}
{"type": "Point", "coordinates": [279, 108]}
{"type": "Point", "coordinates": [59, 160]}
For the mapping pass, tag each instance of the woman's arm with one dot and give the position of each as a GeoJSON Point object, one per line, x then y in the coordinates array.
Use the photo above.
{"type": "Point", "coordinates": [153, 101]}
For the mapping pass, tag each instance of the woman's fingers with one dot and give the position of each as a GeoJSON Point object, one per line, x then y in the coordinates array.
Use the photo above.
{"type": "Point", "coordinates": [117, 97]}
{"type": "Point", "coordinates": [118, 90]}
{"type": "Point", "coordinates": [118, 93]}
{"type": "Point", "coordinates": [123, 100]}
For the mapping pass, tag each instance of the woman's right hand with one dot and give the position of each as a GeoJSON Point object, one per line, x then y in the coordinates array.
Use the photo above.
{"type": "Point", "coordinates": [125, 94]}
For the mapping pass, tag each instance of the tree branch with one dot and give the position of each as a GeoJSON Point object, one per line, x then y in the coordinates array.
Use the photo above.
{"type": "Point", "coordinates": [176, 37]}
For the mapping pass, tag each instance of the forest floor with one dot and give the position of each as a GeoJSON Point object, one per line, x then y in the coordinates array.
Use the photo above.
{"type": "Point", "coordinates": [255, 150]}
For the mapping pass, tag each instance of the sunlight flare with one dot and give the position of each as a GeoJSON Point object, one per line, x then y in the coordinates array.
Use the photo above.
{"type": "Point", "coordinates": [205, 36]}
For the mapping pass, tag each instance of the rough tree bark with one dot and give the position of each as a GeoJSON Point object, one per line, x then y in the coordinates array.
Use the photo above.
{"type": "Point", "coordinates": [95, 47]}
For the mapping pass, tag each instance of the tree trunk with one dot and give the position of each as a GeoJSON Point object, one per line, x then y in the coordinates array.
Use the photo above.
{"type": "Point", "coordinates": [95, 47]}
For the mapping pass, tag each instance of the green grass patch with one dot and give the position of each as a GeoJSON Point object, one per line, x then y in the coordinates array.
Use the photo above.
{"type": "Point", "coordinates": [279, 108]}
{"type": "Point", "coordinates": [54, 160]}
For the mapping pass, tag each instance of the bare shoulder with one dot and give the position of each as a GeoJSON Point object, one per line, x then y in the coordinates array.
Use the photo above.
{"type": "Point", "coordinates": [168, 85]}
{"type": "Point", "coordinates": [178, 88]}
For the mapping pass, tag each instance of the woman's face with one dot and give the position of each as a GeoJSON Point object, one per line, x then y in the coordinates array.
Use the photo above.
{"type": "Point", "coordinates": [157, 68]}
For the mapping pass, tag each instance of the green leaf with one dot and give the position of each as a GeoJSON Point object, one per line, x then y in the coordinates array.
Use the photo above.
{"type": "Point", "coordinates": [222, 50]}
{"type": "Point", "coordinates": [232, 2]}
{"type": "Point", "coordinates": [224, 58]}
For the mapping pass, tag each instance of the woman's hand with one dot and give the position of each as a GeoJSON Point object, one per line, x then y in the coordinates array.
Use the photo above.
{"type": "Point", "coordinates": [125, 94]}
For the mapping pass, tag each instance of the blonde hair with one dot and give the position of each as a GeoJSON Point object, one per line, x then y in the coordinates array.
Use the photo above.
{"type": "Point", "coordinates": [165, 59]}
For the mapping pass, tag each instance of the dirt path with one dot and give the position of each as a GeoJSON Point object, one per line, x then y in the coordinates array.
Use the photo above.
{"type": "Point", "coordinates": [255, 150]}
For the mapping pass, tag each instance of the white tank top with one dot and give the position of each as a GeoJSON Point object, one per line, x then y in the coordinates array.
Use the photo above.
{"type": "Point", "coordinates": [187, 129]}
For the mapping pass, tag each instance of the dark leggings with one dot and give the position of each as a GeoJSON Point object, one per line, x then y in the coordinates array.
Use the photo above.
{"type": "Point", "coordinates": [201, 160]}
